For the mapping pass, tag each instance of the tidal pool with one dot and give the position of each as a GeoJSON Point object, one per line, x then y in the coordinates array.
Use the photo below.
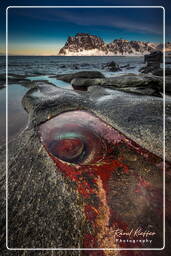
{"type": "Point", "coordinates": [52, 80]}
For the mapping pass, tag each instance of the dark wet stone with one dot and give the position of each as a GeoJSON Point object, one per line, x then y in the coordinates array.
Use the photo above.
{"type": "Point", "coordinates": [112, 66]}
{"type": "Point", "coordinates": [131, 67]}
{"type": "Point", "coordinates": [85, 64]}
{"type": "Point", "coordinates": [168, 84]}
{"type": "Point", "coordinates": [159, 72]}
{"type": "Point", "coordinates": [146, 85]}
{"type": "Point", "coordinates": [2, 80]}
{"type": "Point", "coordinates": [125, 66]}
{"type": "Point", "coordinates": [63, 66]}
{"type": "Point", "coordinates": [75, 66]}
{"type": "Point", "coordinates": [153, 61]}
{"type": "Point", "coordinates": [2, 84]}
{"type": "Point", "coordinates": [153, 57]}
{"type": "Point", "coordinates": [81, 74]}
{"type": "Point", "coordinates": [149, 69]}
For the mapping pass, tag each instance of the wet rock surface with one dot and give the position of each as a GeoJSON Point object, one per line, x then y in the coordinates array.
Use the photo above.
{"type": "Point", "coordinates": [153, 57]}
{"type": "Point", "coordinates": [2, 81]}
{"type": "Point", "coordinates": [143, 114]}
{"type": "Point", "coordinates": [81, 74]}
{"type": "Point", "coordinates": [15, 79]}
{"type": "Point", "coordinates": [112, 66]}
{"type": "Point", "coordinates": [149, 69]}
{"type": "Point", "coordinates": [159, 72]}
{"type": "Point", "coordinates": [40, 208]}
{"type": "Point", "coordinates": [40, 195]}
{"type": "Point", "coordinates": [153, 61]}
{"type": "Point", "coordinates": [53, 205]}
{"type": "Point", "coordinates": [142, 84]}
{"type": "Point", "coordinates": [168, 84]}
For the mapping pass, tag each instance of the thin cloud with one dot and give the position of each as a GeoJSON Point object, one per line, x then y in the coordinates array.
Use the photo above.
{"type": "Point", "coordinates": [110, 21]}
{"type": "Point", "coordinates": [88, 19]}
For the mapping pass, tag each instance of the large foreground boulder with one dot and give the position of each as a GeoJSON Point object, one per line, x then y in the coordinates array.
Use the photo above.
{"type": "Point", "coordinates": [64, 100]}
{"type": "Point", "coordinates": [47, 209]}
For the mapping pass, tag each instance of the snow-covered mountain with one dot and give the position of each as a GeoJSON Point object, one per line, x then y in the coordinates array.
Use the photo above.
{"type": "Point", "coordinates": [167, 47]}
{"type": "Point", "coordinates": [83, 44]}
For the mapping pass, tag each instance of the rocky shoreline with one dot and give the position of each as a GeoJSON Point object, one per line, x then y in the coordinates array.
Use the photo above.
{"type": "Point", "coordinates": [144, 87]}
{"type": "Point", "coordinates": [149, 80]}
{"type": "Point", "coordinates": [46, 209]}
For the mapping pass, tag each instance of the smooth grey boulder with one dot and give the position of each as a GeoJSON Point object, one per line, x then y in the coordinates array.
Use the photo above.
{"type": "Point", "coordinates": [129, 80]}
{"type": "Point", "coordinates": [83, 83]}
{"type": "Point", "coordinates": [81, 74]}
{"type": "Point", "coordinates": [147, 85]}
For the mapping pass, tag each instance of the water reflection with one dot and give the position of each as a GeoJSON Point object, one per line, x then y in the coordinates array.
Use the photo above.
{"type": "Point", "coordinates": [17, 117]}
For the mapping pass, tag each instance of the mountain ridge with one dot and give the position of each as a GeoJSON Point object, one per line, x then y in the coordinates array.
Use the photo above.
{"type": "Point", "coordinates": [84, 44]}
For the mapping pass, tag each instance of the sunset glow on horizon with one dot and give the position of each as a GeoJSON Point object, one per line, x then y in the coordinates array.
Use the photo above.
{"type": "Point", "coordinates": [44, 31]}
{"type": "Point", "coordinates": [46, 49]}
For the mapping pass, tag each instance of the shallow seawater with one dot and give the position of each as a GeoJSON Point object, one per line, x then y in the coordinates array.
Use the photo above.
{"type": "Point", "coordinates": [53, 65]}
{"type": "Point", "coordinates": [17, 116]}
{"type": "Point", "coordinates": [52, 80]}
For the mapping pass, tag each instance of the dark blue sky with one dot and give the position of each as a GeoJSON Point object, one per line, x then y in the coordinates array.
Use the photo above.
{"type": "Point", "coordinates": [43, 31]}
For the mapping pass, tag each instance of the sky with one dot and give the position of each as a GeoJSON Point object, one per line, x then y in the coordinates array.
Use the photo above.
{"type": "Point", "coordinates": [43, 31]}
